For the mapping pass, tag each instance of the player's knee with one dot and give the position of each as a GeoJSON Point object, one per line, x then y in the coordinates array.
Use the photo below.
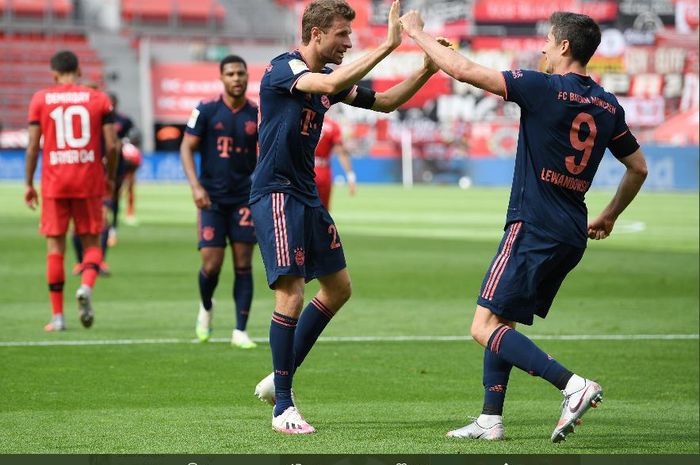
{"type": "Point", "coordinates": [344, 292]}
{"type": "Point", "coordinates": [479, 333]}
{"type": "Point", "coordinates": [211, 268]}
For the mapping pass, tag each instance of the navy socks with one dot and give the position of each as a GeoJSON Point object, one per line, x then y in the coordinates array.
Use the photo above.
{"type": "Point", "coordinates": [282, 330]}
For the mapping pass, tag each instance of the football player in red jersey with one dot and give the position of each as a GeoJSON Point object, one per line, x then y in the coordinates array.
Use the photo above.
{"type": "Point", "coordinates": [74, 121]}
{"type": "Point", "coordinates": [331, 138]}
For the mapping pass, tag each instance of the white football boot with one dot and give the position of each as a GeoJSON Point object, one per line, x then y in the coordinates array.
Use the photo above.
{"type": "Point", "coordinates": [580, 395]}
{"type": "Point", "coordinates": [291, 422]}
{"type": "Point", "coordinates": [490, 429]}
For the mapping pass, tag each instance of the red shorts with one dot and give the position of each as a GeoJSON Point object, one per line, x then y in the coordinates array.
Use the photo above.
{"type": "Point", "coordinates": [324, 184]}
{"type": "Point", "coordinates": [56, 213]}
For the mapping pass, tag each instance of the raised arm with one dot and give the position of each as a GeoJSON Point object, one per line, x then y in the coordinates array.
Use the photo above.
{"type": "Point", "coordinates": [629, 186]}
{"type": "Point", "coordinates": [31, 157]}
{"type": "Point", "coordinates": [189, 145]}
{"type": "Point", "coordinates": [347, 75]}
{"type": "Point", "coordinates": [451, 62]}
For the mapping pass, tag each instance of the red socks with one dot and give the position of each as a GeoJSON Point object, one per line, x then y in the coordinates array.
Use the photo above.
{"type": "Point", "coordinates": [55, 275]}
{"type": "Point", "coordinates": [91, 266]}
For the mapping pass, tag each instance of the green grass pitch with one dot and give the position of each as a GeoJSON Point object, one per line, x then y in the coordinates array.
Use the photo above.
{"type": "Point", "coordinates": [416, 258]}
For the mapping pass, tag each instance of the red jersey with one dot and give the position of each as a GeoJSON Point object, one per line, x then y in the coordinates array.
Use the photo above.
{"type": "Point", "coordinates": [330, 136]}
{"type": "Point", "coordinates": [71, 118]}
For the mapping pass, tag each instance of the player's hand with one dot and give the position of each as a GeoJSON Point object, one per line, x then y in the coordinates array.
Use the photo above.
{"type": "Point", "coordinates": [412, 22]}
{"type": "Point", "coordinates": [393, 38]}
{"type": "Point", "coordinates": [352, 187]}
{"type": "Point", "coordinates": [30, 197]}
{"type": "Point", "coordinates": [428, 63]}
{"type": "Point", "coordinates": [201, 197]}
{"type": "Point", "coordinates": [600, 228]}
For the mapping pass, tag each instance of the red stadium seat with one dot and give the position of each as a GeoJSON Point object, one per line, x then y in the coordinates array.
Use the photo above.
{"type": "Point", "coordinates": [164, 10]}
{"type": "Point", "coordinates": [37, 8]}
{"type": "Point", "coordinates": [24, 59]}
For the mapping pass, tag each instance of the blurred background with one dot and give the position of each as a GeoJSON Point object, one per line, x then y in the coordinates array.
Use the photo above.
{"type": "Point", "coordinates": [160, 57]}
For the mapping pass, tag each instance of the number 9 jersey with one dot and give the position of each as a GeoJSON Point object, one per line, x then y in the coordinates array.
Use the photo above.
{"type": "Point", "coordinates": [71, 119]}
{"type": "Point", "coordinates": [566, 124]}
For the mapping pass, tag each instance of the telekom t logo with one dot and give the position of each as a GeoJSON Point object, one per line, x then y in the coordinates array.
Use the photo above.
{"type": "Point", "coordinates": [224, 145]}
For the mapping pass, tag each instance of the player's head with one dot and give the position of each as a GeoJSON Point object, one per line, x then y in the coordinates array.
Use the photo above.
{"type": "Point", "coordinates": [327, 25]}
{"type": "Point", "coordinates": [64, 62]}
{"type": "Point", "coordinates": [573, 35]}
{"type": "Point", "coordinates": [234, 75]}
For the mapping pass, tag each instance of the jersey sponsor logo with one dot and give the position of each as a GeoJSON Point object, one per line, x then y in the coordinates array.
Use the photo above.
{"type": "Point", "coordinates": [516, 73]}
{"type": "Point", "coordinates": [325, 101]}
{"type": "Point", "coordinates": [251, 127]}
{"type": "Point", "coordinates": [299, 256]}
{"type": "Point", "coordinates": [224, 145]}
{"type": "Point", "coordinates": [297, 66]}
{"type": "Point", "coordinates": [192, 122]}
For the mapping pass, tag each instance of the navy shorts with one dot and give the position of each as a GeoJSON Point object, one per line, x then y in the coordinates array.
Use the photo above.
{"type": "Point", "coordinates": [218, 222]}
{"type": "Point", "coordinates": [526, 273]}
{"type": "Point", "coordinates": [295, 239]}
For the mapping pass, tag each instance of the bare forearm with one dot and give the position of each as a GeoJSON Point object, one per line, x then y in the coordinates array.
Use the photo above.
{"type": "Point", "coordinates": [444, 57]}
{"type": "Point", "coordinates": [32, 156]}
{"type": "Point", "coordinates": [393, 98]}
{"type": "Point", "coordinates": [112, 163]}
{"type": "Point", "coordinates": [188, 166]}
{"type": "Point", "coordinates": [629, 186]}
{"type": "Point", "coordinates": [349, 74]}
{"type": "Point", "coordinates": [344, 159]}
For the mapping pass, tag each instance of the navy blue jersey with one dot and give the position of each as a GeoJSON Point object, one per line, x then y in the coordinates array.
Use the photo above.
{"type": "Point", "coordinates": [290, 127]}
{"type": "Point", "coordinates": [567, 122]}
{"type": "Point", "coordinates": [228, 148]}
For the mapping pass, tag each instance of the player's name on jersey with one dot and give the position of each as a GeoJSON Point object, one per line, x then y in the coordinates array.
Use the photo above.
{"type": "Point", "coordinates": [53, 98]}
{"type": "Point", "coordinates": [71, 156]}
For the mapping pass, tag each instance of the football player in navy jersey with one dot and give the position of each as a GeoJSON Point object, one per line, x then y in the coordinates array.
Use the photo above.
{"type": "Point", "coordinates": [567, 122]}
{"type": "Point", "coordinates": [225, 132]}
{"type": "Point", "coordinates": [299, 240]}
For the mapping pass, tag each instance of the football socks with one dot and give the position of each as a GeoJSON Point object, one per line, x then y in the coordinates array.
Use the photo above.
{"type": "Point", "coordinates": [207, 285]}
{"type": "Point", "coordinates": [55, 275]}
{"type": "Point", "coordinates": [517, 349]}
{"type": "Point", "coordinates": [282, 346]}
{"type": "Point", "coordinates": [312, 322]}
{"type": "Point", "coordinates": [242, 296]}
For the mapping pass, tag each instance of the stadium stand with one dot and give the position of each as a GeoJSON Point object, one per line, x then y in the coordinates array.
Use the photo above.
{"type": "Point", "coordinates": [181, 11]}
{"type": "Point", "coordinates": [36, 8]}
{"type": "Point", "coordinates": [24, 61]}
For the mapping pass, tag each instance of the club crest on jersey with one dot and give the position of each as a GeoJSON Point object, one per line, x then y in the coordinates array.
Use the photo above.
{"type": "Point", "coordinates": [299, 256]}
{"type": "Point", "coordinates": [269, 68]}
{"type": "Point", "coordinates": [219, 126]}
{"type": "Point", "coordinates": [208, 233]}
{"type": "Point", "coordinates": [251, 127]}
{"type": "Point", "coordinates": [325, 101]}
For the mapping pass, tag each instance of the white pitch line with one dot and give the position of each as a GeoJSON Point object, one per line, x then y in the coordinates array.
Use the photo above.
{"type": "Point", "coordinates": [571, 337]}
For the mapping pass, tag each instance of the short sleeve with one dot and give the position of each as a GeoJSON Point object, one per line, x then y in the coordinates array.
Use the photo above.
{"type": "Point", "coordinates": [286, 72]}
{"type": "Point", "coordinates": [34, 116]}
{"type": "Point", "coordinates": [525, 87]}
{"type": "Point", "coordinates": [197, 124]}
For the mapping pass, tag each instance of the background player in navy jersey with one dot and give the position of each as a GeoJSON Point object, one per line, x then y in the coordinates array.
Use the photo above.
{"type": "Point", "coordinates": [566, 124]}
{"type": "Point", "coordinates": [225, 132]}
{"type": "Point", "coordinates": [298, 238]}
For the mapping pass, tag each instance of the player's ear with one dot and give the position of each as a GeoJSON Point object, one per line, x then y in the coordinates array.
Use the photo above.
{"type": "Point", "coordinates": [565, 47]}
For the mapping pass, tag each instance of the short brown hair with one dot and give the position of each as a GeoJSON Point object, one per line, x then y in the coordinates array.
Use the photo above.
{"type": "Point", "coordinates": [321, 14]}
{"type": "Point", "coordinates": [581, 31]}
